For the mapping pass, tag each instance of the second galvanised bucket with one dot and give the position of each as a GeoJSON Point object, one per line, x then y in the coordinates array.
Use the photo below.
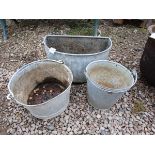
{"type": "Point", "coordinates": [107, 81]}
{"type": "Point", "coordinates": [77, 51]}
{"type": "Point", "coordinates": [27, 77]}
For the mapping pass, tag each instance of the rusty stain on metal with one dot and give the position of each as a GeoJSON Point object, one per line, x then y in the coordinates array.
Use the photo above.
{"type": "Point", "coordinates": [109, 77]}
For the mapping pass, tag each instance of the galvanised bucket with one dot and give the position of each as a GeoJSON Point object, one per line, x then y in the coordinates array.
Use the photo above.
{"type": "Point", "coordinates": [101, 91]}
{"type": "Point", "coordinates": [28, 76]}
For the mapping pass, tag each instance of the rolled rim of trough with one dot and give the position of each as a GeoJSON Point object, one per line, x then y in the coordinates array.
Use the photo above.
{"type": "Point", "coordinates": [110, 90]}
{"type": "Point", "coordinates": [43, 60]}
{"type": "Point", "coordinates": [78, 36]}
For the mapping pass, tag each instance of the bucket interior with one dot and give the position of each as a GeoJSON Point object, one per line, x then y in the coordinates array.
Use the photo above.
{"type": "Point", "coordinates": [78, 45]}
{"type": "Point", "coordinates": [26, 79]}
{"type": "Point", "coordinates": [110, 75]}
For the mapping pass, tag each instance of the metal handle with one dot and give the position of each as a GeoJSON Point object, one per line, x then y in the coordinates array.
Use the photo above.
{"type": "Point", "coordinates": [43, 42]}
{"type": "Point", "coordinates": [58, 61]}
{"type": "Point", "coordinates": [9, 97]}
{"type": "Point", "coordinates": [85, 73]}
{"type": "Point", "coordinates": [134, 73]}
{"type": "Point", "coordinates": [25, 65]}
{"type": "Point", "coordinates": [99, 33]}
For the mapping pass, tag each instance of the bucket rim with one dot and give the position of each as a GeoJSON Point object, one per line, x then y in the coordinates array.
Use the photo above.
{"type": "Point", "coordinates": [110, 90]}
{"type": "Point", "coordinates": [78, 36]}
{"type": "Point", "coordinates": [24, 66]}
{"type": "Point", "coordinates": [150, 28]}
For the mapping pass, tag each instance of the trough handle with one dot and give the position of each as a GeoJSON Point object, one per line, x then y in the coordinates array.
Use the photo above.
{"type": "Point", "coordinates": [43, 42]}
{"type": "Point", "coordinates": [99, 33]}
{"type": "Point", "coordinates": [134, 73]}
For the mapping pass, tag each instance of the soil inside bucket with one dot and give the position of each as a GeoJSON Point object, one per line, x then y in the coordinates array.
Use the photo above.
{"type": "Point", "coordinates": [47, 89]}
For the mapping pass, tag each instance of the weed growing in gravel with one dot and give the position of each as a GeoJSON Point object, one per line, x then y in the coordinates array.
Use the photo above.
{"type": "Point", "coordinates": [81, 31]}
{"type": "Point", "coordinates": [80, 27]}
{"type": "Point", "coordinates": [143, 30]}
{"type": "Point", "coordinates": [138, 106]}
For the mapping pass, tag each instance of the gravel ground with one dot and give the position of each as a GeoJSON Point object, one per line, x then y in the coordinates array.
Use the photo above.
{"type": "Point", "coordinates": [133, 113]}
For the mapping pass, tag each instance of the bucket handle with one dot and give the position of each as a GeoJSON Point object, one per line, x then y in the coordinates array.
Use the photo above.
{"type": "Point", "coordinates": [134, 73]}
{"type": "Point", "coordinates": [85, 73]}
{"type": "Point", "coordinates": [10, 96]}
{"type": "Point", "coordinates": [58, 61]}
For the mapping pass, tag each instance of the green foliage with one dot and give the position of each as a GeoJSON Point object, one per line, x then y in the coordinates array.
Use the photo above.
{"type": "Point", "coordinates": [138, 106]}
{"type": "Point", "coordinates": [79, 23]}
{"type": "Point", "coordinates": [81, 31]}
{"type": "Point", "coordinates": [143, 30]}
{"type": "Point", "coordinates": [80, 27]}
